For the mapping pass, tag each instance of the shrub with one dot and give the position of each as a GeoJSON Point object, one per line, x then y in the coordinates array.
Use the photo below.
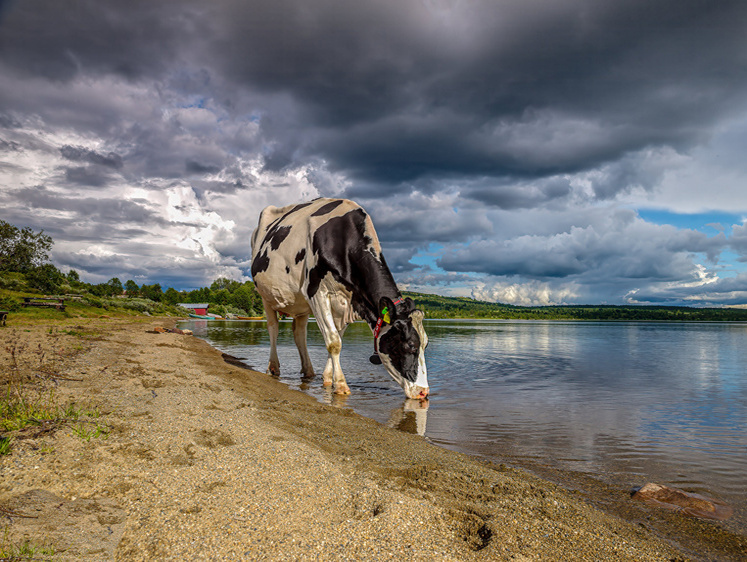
{"type": "Point", "coordinates": [91, 300]}
{"type": "Point", "coordinates": [46, 278]}
{"type": "Point", "coordinates": [12, 281]}
{"type": "Point", "coordinates": [10, 304]}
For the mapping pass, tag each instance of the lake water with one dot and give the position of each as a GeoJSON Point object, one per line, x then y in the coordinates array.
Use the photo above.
{"type": "Point", "coordinates": [625, 403]}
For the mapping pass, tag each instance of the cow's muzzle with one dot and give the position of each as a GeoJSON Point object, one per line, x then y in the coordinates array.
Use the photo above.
{"type": "Point", "coordinates": [417, 392]}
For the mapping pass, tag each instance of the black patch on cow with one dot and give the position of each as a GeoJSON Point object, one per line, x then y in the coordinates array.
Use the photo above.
{"type": "Point", "coordinates": [341, 246]}
{"type": "Point", "coordinates": [276, 235]}
{"type": "Point", "coordinates": [295, 209]}
{"type": "Point", "coordinates": [260, 263]}
{"type": "Point", "coordinates": [301, 255]}
{"type": "Point", "coordinates": [402, 344]}
{"type": "Point", "coordinates": [328, 208]}
{"type": "Point", "coordinates": [287, 269]}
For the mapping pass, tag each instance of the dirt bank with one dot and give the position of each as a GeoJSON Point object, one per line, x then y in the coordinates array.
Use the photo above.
{"type": "Point", "coordinates": [207, 461]}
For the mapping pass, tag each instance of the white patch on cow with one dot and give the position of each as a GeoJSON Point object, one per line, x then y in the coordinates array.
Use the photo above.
{"type": "Point", "coordinates": [417, 322]}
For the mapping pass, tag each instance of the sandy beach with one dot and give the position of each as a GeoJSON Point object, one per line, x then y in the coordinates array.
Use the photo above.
{"type": "Point", "coordinates": [200, 459]}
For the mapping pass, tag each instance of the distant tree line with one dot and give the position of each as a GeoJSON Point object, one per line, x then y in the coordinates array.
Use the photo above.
{"type": "Point", "coordinates": [436, 306]}
{"type": "Point", "coordinates": [25, 252]}
{"type": "Point", "coordinates": [224, 295]}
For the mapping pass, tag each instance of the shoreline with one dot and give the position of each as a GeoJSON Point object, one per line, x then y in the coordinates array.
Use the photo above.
{"type": "Point", "coordinates": [206, 459]}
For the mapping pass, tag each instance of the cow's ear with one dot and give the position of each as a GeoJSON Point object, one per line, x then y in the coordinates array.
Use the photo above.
{"type": "Point", "coordinates": [388, 304]}
{"type": "Point", "coordinates": [409, 306]}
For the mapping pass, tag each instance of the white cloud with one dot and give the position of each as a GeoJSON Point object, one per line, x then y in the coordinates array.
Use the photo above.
{"type": "Point", "coordinates": [710, 177]}
{"type": "Point", "coordinates": [530, 293]}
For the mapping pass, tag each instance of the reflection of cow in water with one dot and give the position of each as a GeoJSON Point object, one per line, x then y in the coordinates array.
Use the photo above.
{"type": "Point", "coordinates": [324, 258]}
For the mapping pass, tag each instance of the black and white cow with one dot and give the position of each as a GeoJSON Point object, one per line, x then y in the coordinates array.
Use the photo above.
{"type": "Point", "coordinates": [324, 258]}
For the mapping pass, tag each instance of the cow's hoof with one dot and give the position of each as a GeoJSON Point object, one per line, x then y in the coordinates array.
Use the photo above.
{"type": "Point", "coordinates": [342, 389]}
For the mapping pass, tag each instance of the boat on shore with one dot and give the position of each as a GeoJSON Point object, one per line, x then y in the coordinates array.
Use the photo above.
{"type": "Point", "coordinates": [250, 318]}
{"type": "Point", "coordinates": [201, 316]}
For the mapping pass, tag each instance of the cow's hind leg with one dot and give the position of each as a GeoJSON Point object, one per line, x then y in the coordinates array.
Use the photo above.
{"type": "Point", "coordinates": [273, 328]}
{"type": "Point", "coordinates": [299, 335]}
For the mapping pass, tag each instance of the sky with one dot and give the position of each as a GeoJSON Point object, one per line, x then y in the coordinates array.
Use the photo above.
{"type": "Point", "coordinates": [530, 152]}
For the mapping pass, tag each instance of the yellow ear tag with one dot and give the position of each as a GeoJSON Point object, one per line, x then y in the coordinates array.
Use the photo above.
{"type": "Point", "coordinates": [385, 312]}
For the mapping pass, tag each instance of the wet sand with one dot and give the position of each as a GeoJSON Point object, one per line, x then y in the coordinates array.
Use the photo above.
{"type": "Point", "coordinates": [205, 460]}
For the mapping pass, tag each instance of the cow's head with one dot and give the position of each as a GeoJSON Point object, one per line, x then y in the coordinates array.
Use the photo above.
{"type": "Point", "coordinates": [401, 345]}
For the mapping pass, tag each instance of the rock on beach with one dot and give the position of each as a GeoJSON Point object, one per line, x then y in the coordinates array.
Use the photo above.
{"type": "Point", "coordinates": [687, 503]}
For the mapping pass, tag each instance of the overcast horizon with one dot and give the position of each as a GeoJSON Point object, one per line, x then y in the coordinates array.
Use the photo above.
{"type": "Point", "coordinates": [520, 151]}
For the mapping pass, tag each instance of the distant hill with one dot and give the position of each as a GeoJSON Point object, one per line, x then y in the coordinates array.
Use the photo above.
{"type": "Point", "coordinates": [436, 306]}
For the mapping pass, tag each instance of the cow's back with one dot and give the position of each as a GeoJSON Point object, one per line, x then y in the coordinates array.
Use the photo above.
{"type": "Point", "coordinates": [284, 253]}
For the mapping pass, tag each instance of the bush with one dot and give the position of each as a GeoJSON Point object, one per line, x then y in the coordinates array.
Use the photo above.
{"type": "Point", "coordinates": [47, 278]}
{"type": "Point", "coordinates": [10, 304]}
{"type": "Point", "coordinates": [12, 281]}
{"type": "Point", "coordinates": [91, 300]}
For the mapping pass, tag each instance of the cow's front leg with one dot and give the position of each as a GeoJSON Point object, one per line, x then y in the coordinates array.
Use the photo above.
{"type": "Point", "coordinates": [333, 369]}
{"type": "Point", "coordinates": [299, 335]}
{"type": "Point", "coordinates": [333, 341]}
{"type": "Point", "coordinates": [273, 328]}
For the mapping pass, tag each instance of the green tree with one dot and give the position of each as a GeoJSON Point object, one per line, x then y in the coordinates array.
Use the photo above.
{"type": "Point", "coordinates": [172, 296]}
{"type": "Point", "coordinates": [46, 278]}
{"type": "Point", "coordinates": [73, 277]}
{"type": "Point", "coordinates": [152, 292]}
{"type": "Point", "coordinates": [100, 290]}
{"type": "Point", "coordinates": [224, 283]}
{"type": "Point", "coordinates": [199, 295]}
{"type": "Point", "coordinates": [132, 289]}
{"type": "Point", "coordinates": [22, 249]}
{"type": "Point", "coordinates": [115, 287]}
{"type": "Point", "coordinates": [242, 299]}
{"type": "Point", "coordinates": [220, 297]}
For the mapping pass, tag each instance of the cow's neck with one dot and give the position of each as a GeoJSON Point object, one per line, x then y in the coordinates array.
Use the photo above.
{"type": "Point", "coordinates": [377, 282]}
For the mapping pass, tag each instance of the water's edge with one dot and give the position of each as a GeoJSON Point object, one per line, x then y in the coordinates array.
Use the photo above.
{"type": "Point", "coordinates": [612, 497]}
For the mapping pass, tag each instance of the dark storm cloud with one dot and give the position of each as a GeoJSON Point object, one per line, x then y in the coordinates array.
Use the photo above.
{"type": "Point", "coordinates": [88, 176]}
{"type": "Point", "coordinates": [717, 292]}
{"type": "Point", "coordinates": [197, 168]}
{"type": "Point", "coordinates": [109, 212]}
{"type": "Point", "coordinates": [62, 40]}
{"type": "Point", "coordinates": [518, 195]}
{"type": "Point", "coordinates": [395, 92]}
{"type": "Point", "coordinates": [9, 146]}
{"type": "Point", "coordinates": [82, 154]}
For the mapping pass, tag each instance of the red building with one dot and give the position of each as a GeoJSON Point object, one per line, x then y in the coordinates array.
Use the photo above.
{"type": "Point", "coordinates": [198, 308]}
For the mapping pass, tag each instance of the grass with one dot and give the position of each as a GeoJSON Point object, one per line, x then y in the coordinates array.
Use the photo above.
{"type": "Point", "coordinates": [18, 411]}
{"type": "Point", "coordinates": [26, 550]}
{"type": "Point", "coordinates": [5, 445]}
{"type": "Point", "coordinates": [88, 432]}
{"type": "Point", "coordinates": [27, 401]}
